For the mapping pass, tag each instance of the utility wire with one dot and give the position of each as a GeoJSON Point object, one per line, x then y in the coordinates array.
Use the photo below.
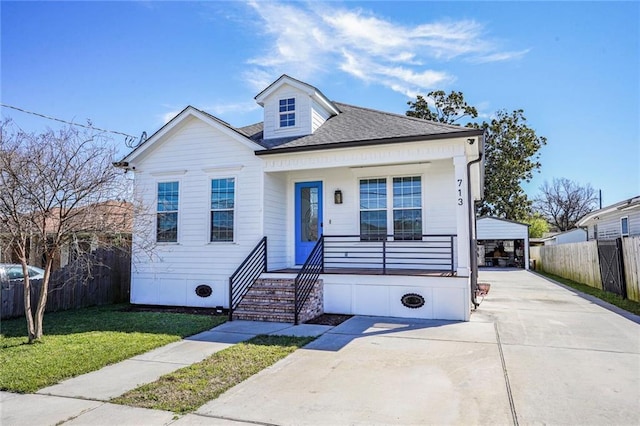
{"type": "Point", "coordinates": [128, 141]}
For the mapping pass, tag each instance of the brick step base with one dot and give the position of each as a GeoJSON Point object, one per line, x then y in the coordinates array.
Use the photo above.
{"type": "Point", "coordinates": [272, 300]}
{"type": "Point", "coordinates": [275, 307]}
{"type": "Point", "coordinates": [262, 316]}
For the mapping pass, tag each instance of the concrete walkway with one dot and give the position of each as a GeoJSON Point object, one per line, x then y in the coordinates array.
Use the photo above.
{"type": "Point", "coordinates": [81, 400]}
{"type": "Point", "coordinates": [534, 353]}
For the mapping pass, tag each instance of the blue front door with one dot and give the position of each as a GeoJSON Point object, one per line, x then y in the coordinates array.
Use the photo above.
{"type": "Point", "coordinates": [308, 218]}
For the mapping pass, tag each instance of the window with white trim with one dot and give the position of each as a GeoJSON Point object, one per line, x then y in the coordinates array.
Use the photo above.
{"type": "Point", "coordinates": [407, 208]}
{"type": "Point", "coordinates": [287, 109]}
{"type": "Point", "coordinates": [167, 212]}
{"type": "Point", "coordinates": [624, 226]}
{"type": "Point", "coordinates": [223, 195]}
{"type": "Point", "coordinates": [373, 209]}
{"type": "Point", "coordinates": [403, 214]}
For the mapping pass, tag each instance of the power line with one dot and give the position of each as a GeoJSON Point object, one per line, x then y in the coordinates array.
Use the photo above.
{"type": "Point", "coordinates": [129, 141]}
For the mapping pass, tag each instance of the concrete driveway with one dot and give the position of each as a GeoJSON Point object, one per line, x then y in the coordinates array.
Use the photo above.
{"type": "Point", "coordinates": [534, 353]}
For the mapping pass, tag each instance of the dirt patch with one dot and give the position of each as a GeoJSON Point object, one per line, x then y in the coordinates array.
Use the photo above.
{"type": "Point", "coordinates": [329, 319]}
{"type": "Point", "coordinates": [174, 310]}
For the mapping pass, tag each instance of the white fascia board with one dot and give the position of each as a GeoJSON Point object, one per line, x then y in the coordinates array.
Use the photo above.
{"type": "Point", "coordinates": [179, 119]}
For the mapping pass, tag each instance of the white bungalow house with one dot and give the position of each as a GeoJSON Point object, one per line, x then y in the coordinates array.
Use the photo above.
{"type": "Point", "coordinates": [322, 207]}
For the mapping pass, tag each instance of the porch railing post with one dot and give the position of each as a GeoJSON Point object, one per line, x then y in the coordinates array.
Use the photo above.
{"type": "Point", "coordinates": [264, 241]}
{"type": "Point", "coordinates": [384, 256]}
{"type": "Point", "coordinates": [322, 264]}
{"type": "Point", "coordinates": [230, 299]}
{"type": "Point", "coordinates": [451, 245]}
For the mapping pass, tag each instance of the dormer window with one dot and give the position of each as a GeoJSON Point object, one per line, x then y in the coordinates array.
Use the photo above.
{"type": "Point", "coordinates": [288, 112]}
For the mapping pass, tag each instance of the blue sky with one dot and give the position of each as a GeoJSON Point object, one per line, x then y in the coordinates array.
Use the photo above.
{"type": "Point", "coordinates": [128, 66]}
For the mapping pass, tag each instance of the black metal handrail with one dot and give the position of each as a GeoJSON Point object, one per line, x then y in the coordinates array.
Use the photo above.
{"type": "Point", "coordinates": [425, 252]}
{"type": "Point", "coordinates": [308, 276]}
{"type": "Point", "coordinates": [248, 271]}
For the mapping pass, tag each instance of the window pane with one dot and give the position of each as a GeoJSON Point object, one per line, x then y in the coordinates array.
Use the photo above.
{"type": "Point", "coordinates": [222, 193]}
{"type": "Point", "coordinates": [309, 216]}
{"type": "Point", "coordinates": [167, 196]}
{"type": "Point", "coordinates": [373, 224]}
{"type": "Point", "coordinates": [407, 224]}
{"type": "Point", "coordinates": [167, 227]}
{"type": "Point", "coordinates": [373, 194]}
{"type": "Point", "coordinates": [222, 225]}
{"type": "Point", "coordinates": [407, 192]}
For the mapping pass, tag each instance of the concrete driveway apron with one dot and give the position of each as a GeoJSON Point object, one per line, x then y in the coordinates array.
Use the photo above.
{"type": "Point", "coordinates": [534, 352]}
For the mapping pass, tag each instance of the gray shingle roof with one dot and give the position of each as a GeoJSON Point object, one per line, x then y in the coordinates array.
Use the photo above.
{"type": "Point", "coordinates": [359, 126]}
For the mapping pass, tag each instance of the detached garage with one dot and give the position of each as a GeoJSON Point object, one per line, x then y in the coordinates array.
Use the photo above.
{"type": "Point", "coordinates": [502, 243]}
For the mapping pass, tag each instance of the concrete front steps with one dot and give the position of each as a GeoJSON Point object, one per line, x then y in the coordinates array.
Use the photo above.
{"type": "Point", "coordinates": [272, 300]}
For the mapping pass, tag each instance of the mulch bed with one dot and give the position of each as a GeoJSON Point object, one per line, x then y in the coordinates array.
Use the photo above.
{"type": "Point", "coordinates": [329, 319]}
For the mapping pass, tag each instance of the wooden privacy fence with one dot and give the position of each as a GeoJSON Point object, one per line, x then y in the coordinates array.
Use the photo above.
{"type": "Point", "coordinates": [71, 287]}
{"type": "Point", "coordinates": [631, 258]}
{"type": "Point", "coordinates": [580, 262]}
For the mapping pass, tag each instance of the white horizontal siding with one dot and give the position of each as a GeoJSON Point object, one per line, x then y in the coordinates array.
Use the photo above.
{"type": "Point", "coordinates": [272, 113]}
{"type": "Point", "coordinates": [318, 116]}
{"type": "Point", "coordinates": [193, 156]}
{"type": "Point", "coordinates": [609, 224]}
{"type": "Point", "coordinates": [495, 229]}
{"type": "Point", "coordinates": [275, 219]}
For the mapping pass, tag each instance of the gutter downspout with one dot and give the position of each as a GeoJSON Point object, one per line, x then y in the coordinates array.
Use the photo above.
{"type": "Point", "coordinates": [472, 241]}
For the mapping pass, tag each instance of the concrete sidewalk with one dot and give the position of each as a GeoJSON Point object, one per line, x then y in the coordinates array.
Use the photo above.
{"type": "Point", "coordinates": [81, 400]}
{"type": "Point", "coordinates": [534, 353]}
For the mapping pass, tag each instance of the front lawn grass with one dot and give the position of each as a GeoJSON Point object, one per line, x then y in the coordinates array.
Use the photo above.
{"type": "Point", "coordinates": [83, 340]}
{"type": "Point", "coordinates": [614, 299]}
{"type": "Point", "coordinates": [191, 387]}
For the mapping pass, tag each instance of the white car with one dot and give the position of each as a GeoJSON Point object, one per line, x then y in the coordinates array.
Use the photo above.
{"type": "Point", "coordinates": [13, 272]}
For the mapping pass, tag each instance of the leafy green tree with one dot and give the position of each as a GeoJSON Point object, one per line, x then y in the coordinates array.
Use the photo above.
{"type": "Point", "coordinates": [511, 150]}
{"type": "Point", "coordinates": [444, 109]}
{"type": "Point", "coordinates": [538, 226]}
{"type": "Point", "coordinates": [511, 156]}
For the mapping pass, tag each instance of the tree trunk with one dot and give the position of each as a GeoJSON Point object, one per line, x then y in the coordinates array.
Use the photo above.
{"type": "Point", "coordinates": [31, 331]}
{"type": "Point", "coordinates": [42, 300]}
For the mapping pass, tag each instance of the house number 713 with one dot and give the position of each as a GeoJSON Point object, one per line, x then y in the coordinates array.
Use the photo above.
{"type": "Point", "coordinates": [460, 199]}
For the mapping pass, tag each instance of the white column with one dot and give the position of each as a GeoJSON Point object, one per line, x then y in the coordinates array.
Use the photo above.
{"type": "Point", "coordinates": [462, 215]}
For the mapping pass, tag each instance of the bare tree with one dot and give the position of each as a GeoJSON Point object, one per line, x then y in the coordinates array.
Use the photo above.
{"type": "Point", "coordinates": [53, 187]}
{"type": "Point", "coordinates": [564, 202]}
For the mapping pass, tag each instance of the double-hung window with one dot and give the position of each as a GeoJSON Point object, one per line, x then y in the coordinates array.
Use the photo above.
{"type": "Point", "coordinates": [403, 214]}
{"type": "Point", "coordinates": [373, 209]}
{"type": "Point", "coordinates": [223, 196]}
{"type": "Point", "coordinates": [167, 212]}
{"type": "Point", "coordinates": [287, 112]}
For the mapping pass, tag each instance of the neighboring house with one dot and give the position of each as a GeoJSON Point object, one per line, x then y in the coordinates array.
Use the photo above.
{"type": "Point", "coordinates": [105, 222]}
{"type": "Point", "coordinates": [617, 220]}
{"type": "Point", "coordinates": [378, 205]}
{"type": "Point", "coordinates": [502, 242]}
{"type": "Point", "coordinates": [575, 235]}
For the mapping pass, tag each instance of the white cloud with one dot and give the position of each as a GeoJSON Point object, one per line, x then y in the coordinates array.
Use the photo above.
{"type": "Point", "coordinates": [306, 39]}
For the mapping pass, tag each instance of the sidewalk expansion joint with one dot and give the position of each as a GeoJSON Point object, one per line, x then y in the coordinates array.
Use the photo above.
{"type": "Point", "coordinates": [232, 419]}
{"type": "Point", "coordinates": [512, 406]}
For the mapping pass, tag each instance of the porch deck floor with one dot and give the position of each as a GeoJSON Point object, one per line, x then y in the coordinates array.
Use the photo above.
{"type": "Point", "coordinates": [373, 271]}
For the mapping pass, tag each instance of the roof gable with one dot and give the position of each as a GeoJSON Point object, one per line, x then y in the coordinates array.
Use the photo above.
{"type": "Point", "coordinates": [628, 204]}
{"type": "Point", "coordinates": [180, 118]}
{"type": "Point", "coordinates": [310, 90]}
